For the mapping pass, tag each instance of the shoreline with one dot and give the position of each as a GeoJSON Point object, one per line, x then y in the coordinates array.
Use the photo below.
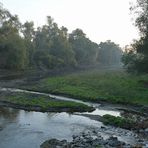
{"type": "Point", "coordinates": [38, 108]}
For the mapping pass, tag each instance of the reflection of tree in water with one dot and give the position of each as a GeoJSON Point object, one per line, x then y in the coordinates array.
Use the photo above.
{"type": "Point", "coordinates": [50, 115]}
{"type": "Point", "coordinates": [60, 115]}
{"type": "Point", "coordinates": [8, 113]}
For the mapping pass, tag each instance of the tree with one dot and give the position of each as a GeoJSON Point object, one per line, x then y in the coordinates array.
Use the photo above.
{"type": "Point", "coordinates": [140, 47]}
{"type": "Point", "coordinates": [142, 19]}
{"type": "Point", "coordinates": [52, 44]}
{"type": "Point", "coordinates": [12, 48]}
{"type": "Point", "coordinates": [109, 53]}
{"type": "Point", "coordinates": [85, 50]}
{"type": "Point", "coordinates": [29, 34]}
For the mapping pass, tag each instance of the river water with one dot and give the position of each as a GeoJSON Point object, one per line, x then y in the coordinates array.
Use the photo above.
{"type": "Point", "coordinates": [23, 129]}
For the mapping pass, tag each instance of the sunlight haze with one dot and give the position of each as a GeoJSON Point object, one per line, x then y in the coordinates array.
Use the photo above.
{"type": "Point", "coordinates": [101, 20]}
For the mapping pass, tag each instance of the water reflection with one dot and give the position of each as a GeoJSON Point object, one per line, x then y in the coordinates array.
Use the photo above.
{"type": "Point", "coordinates": [7, 116]}
{"type": "Point", "coordinates": [30, 129]}
{"type": "Point", "coordinates": [8, 113]}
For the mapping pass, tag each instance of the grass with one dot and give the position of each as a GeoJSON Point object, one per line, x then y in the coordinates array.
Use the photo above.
{"type": "Point", "coordinates": [32, 100]}
{"type": "Point", "coordinates": [95, 86]}
{"type": "Point", "coordinates": [118, 121]}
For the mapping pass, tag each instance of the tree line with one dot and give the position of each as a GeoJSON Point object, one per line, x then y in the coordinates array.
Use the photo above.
{"type": "Point", "coordinates": [23, 46]}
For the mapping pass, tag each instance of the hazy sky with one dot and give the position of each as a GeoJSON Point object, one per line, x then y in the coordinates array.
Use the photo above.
{"type": "Point", "coordinates": [101, 20]}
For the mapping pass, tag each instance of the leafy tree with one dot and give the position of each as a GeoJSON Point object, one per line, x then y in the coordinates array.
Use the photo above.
{"type": "Point", "coordinates": [29, 34]}
{"type": "Point", "coordinates": [140, 47]}
{"type": "Point", "coordinates": [48, 46]}
{"type": "Point", "coordinates": [15, 53]}
{"type": "Point", "coordinates": [12, 48]}
{"type": "Point", "coordinates": [28, 31]}
{"type": "Point", "coordinates": [54, 44]}
{"type": "Point", "coordinates": [85, 50]}
{"type": "Point", "coordinates": [109, 53]}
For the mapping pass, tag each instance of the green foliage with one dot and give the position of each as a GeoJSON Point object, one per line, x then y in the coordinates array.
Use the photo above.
{"type": "Point", "coordinates": [109, 53]}
{"type": "Point", "coordinates": [138, 60]}
{"type": "Point", "coordinates": [44, 59]}
{"type": "Point", "coordinates": [52, 44]}
{"type": "Point", "coordinates": [85, 50]}
{"type": "Point", "coordinates": [141, 21]}
{"type": "Point", "coordinates": [28, 30]}
{"type": "Point", "coordinates": [129, 59]}
{"type": "Point", "coordinates": [16, 53]}
{"type": "Point", "coordinates": [96, 86]}
{"type": "Point", "coordinates": [47, 47]}
{"type": "Point", "coordinates": [44, 102]}
{"type": "Point", "coordinates": [13, 52]}
{"type": "Point", "coordinates": [12, 48]}
{"type": "Point", "coordinates": [118, 121]}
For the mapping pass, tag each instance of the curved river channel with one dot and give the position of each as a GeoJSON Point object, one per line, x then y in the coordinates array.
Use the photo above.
{"type": "Point", "coordinates": [23, 129]}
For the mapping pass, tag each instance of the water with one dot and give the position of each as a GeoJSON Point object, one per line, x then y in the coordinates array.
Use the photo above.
{"type": "Point", "coordinates": [97, 111]}
{"type": "Point", "coordinates": [102, 112]}
{"type": "Point", "coordinates": [24, 129]}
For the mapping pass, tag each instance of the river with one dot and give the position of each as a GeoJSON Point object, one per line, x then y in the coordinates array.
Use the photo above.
{"type": "Point", "coordinates": [23, 129]}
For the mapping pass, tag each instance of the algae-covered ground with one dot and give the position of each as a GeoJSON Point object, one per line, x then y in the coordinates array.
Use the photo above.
{"type": "Point", "coordinates": [40, 103]}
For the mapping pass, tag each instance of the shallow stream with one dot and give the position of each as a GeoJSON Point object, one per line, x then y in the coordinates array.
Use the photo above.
{"type": "Point", "coordinates": [23, 129]}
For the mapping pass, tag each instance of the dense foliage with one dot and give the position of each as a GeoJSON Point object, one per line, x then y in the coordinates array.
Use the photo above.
{"type": "Point", "coordinates": [136, 59]}
{"type": "Point", "coordinates": [49, 46]}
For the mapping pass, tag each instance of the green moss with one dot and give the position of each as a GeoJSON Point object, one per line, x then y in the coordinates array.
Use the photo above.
{"type": "Point", "coordinates": [43, 102]}
{"type": "Point", "coordinates": [118, 121]}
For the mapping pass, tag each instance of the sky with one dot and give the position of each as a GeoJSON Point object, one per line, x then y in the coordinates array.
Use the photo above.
{"type": "Point", "coordinates": [100, 20]}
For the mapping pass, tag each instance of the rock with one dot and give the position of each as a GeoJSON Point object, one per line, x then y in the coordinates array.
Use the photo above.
{"type": "Point", "coordinates": [140, 140]}
{"type": "Point", "coordinates": [141, 131]}
{"type": "Point", "coordinates": [97, 142]}
{"type": "Point", "coordinates": [102, 127]}
{"type": "Point", "coordinates": [74, 136]}
{"type": "Point", "coordinates": [94, 132]}
{"type": "Point", "coordinates": [90, 140]}
{"type": "Point", "coordinates": [146, 130]}
{"type": "Point", "coordinates": [54, 143]}
{"type": "Point", "coordinates": [113, 141]}
{"type": "Point", "coordinates": [138, 146]}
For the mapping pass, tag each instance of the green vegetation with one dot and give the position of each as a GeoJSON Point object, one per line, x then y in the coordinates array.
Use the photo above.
{"type": "Point", "coordinates": [135, 58]}
{"type": "Point", "coordinates": [109, 53]}
{"type": "Point", "coordinates": [43, 102]}
{"type": "Point", "coordinates": [111, 86]}
{"type": "Point", "coordinates": [118, 121]}
{"type": "Point", "coordinates": [49, 46]}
